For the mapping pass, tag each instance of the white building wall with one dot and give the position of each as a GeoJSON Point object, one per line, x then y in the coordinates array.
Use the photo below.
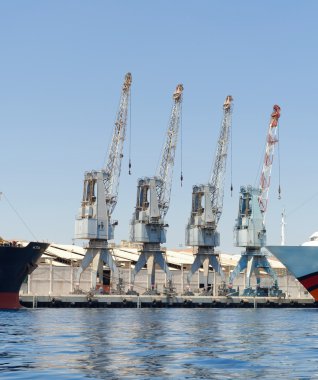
{"type": "Point", "coordinates": [56, 280]}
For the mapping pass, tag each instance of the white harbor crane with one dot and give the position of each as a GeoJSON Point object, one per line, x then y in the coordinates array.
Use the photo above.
{"type": "Point", "coordinates": [249, 230]}
{"type": "Point", "coordinates": [100, 194]}
{"type": "Point", "coordinates": [148, 225]}
{"type": "Point", "coordinates": [207, 204]}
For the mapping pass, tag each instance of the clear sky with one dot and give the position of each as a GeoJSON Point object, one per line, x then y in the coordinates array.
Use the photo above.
{"type": "Point", "coordinates": [61, 70]}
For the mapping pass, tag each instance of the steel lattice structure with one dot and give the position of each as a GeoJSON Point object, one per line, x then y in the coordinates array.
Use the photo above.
{"type": "Point", "coordinates": [218, 174]}
{"type": "Point", "coordinates": [268, 159]}
{"type": "Point", "coordinates": [165, 170]}
{"type": "Point", "coordinates": [115, 153]}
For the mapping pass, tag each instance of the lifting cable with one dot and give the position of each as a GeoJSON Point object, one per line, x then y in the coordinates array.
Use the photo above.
{"type": "Point", "coordinates": [278, 153]}
{"type": "Point", "coordinates": [231, 161]}
{"type": "Point", "coordinates": [309, 199]}
{"type": "Point", "coordinates": [129, 165]}
{"type": "Point", "coordinates": [181, 175]}
{"type": "Point", "coordinates": [18, 215]}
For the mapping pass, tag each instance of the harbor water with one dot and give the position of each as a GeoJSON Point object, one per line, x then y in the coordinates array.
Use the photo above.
{"type": "Point", "coordinates": [159, 344]}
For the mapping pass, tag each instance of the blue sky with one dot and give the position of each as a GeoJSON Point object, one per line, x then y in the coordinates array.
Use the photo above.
{"type": "Point", "coordinates": [62, 66]}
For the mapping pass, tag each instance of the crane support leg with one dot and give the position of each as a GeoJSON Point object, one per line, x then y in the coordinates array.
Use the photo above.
{"type": "Point", "coordinates": [151, 275]}
{"type": "Point", "coordinates": [206, 265]}
{"type": "Point", "coordinates": [142, 260]}
{"type": "Point", "coordinates": [253, 263]}
{"type": "Point", "coordinates": [194, 268]}
{"type": "Point", "coordinates": [97, 269]}
{"type": "Point", "coordinates": [206, 260]}
{"type": "Point", "coordinates": [151, 259]}
{"type": "Point", "coordinates": [107, 258]}
{"type": "Point", "coordinates": [267, 268]}
{"type": "Point", "coordinates": [215, 263]}
{"type": "Point", "coordinates": [88, 258]}
{"type": "Point", "coordinates": [97, 255]}
{"type": "Point", "coordinates": [257, 276]}
{"type": "Point", "coordinates": [163, 265]}
{"type": "Point", "coordinates": [93, 257]}
{"type": "Point", "coordinates": [241, 265]}
{"type": "Point", "coordinates": [250, 268]}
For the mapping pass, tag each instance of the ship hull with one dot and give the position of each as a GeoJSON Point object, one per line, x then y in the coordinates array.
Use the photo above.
{"type": "Point", "coordinates": [302, 262]}
{"type": "Point", "coordinates": [15, 264]}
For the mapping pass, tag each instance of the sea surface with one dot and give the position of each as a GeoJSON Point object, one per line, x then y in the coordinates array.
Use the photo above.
{"type": "Point", "coordinates": [159, 344]}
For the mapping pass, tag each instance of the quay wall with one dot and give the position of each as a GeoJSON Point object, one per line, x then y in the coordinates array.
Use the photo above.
{"type": "Point", "coordinates": [56, 281]}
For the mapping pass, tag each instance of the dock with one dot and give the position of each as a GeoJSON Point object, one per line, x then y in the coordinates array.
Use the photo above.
{"type": "Point", "coordinates": [160, 301]}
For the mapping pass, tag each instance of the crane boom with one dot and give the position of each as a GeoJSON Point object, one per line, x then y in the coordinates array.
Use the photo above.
{"type": "Point", "coordinates": [115, 153]}
{"type": "Point", "coordinates": [268, 159]}
{"type": "Point", "coordinates": [219, 167]}
{"type": "Point", "coordinates": [165, 170]}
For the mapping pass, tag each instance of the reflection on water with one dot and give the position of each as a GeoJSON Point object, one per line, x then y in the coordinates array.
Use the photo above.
{"type": "Point", "coordinates": [159, 344]}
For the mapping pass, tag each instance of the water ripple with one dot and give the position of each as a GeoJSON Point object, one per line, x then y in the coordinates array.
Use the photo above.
{"type": "Point", "coordinates": [159, 344]}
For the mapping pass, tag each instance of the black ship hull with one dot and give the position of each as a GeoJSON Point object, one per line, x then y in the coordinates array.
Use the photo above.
{"type": "Point", "coordinates": [16, 263]}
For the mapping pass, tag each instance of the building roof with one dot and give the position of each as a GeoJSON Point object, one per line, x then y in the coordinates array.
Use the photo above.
{"type": "Point", "coordinates": [63, 254]}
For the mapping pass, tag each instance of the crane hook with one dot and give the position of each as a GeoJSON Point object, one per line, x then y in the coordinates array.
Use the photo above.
{"type": "Point", "coordinates": [129, 167]}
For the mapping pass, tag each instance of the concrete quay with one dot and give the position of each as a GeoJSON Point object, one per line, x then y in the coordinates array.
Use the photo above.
{"type": "Point", "coordinates": [161, 301]}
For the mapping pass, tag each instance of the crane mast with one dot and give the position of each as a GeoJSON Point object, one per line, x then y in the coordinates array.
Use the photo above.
{"type": "Point", "coordinates": [148, 226]}
{"type": "Point", "coordinates": [249, 230]}
{"type": "Point", "coordinates": [207, 204]}
{"type": "Point", "coordinates": [100, 194]}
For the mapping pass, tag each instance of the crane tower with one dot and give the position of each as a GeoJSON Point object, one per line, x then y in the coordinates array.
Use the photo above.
{"type": "Point", "coordinates": [148, 225]}
{"type": "Point", "coordinates": [249, 230]}
{"type": "Point", "coordinates": [207, 204]}
{"type": "Point", "coordinates": [100, 194]}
